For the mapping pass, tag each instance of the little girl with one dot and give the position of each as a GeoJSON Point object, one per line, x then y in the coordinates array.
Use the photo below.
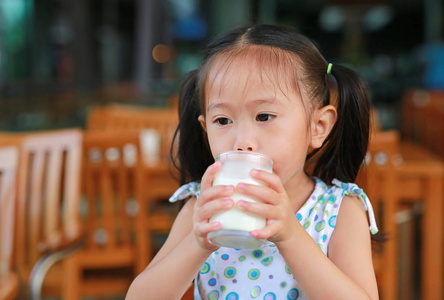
{"type": "Point", "coordinates": [264, 89]}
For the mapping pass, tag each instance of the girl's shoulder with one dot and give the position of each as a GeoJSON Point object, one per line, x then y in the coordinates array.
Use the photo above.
{"type": "Point", "coordinates": [338, 188]}
{"type": "Point", "coordinates": [337, 191]}
{"type": "Point", "coordinates": [186, 191]}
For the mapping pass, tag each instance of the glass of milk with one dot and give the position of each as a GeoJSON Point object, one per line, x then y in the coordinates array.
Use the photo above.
{"type": "Point", "coordinates": [236, 224]}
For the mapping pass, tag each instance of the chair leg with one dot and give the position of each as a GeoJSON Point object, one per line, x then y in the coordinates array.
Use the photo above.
{"type": "Point", "coordinates": [71, 285]}
{"type": "Point", "coordinates": [390, 274]}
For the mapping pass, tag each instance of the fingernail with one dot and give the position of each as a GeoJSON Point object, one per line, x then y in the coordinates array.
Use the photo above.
{"type": "Point", "coordinates": [229, 187]}
{"type": "Point", "coordinates": [215, 224]}
{"type": "Point", "coordinates": [242, 203]}
{"type": "Point", "coordinates": [227, 202]}
{"type": "Point", "coordinates": [241, 186]}
{"type": "Point", "coordinates": [254, 172]}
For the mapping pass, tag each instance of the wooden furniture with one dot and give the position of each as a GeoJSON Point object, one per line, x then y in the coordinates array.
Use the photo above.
{"type": "Point", "coordinates": [157, 127]}
{"type": "Point", "coordinates": [117, 245]}
{"type": "Point", "coordinates": [47, 201]}
{"type": "Point", "coordinates": [119, 116]}
{"type": "Point", "coordinates": [378, 180]}
{"type": "Point", "coordinates": [115, 116]}
{"type": "Point", "coordinates": [9, 284]}
{"type": "Point", "coordinates": [400, 172]}
{"type": "Point", "coordinates": [421, 178]}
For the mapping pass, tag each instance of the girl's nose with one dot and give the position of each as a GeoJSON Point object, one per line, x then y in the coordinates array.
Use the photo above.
{"type": "Point", "coordinates": [245, 139]}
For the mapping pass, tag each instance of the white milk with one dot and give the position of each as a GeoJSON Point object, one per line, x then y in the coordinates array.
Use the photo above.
{"type": "Point", "coordinates": [236, 224]}
{"type": "Point", "coordinates": [234, 219]}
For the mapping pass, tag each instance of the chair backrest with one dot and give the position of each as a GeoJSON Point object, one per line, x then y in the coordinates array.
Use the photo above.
{"type": "Point", "coordinates": [115, 117]}
{"type": "Point", "coordinates": [379, 179]}
{"type": "Point", "coordinates": [112, 189]}
{"type": "Point", "coordinates": [8, 168]}
{"type": "Point", "coordinates": [378, 176]}
{"type": "Point", "coordinates": [48, 194]}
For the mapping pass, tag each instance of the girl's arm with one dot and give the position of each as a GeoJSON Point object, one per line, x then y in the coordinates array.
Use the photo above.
{"type": "Point", "coordinates": [347, 273]}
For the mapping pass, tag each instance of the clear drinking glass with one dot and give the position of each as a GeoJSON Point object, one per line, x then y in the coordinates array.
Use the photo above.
{"type": "Point", "coordinates": [236, 224]}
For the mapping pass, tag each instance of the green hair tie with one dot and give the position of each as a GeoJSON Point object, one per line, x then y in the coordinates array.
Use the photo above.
{"type": "Point", "coordinates": [329, 68]}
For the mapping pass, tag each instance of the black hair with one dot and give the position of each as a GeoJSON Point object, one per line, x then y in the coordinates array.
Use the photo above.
{"type": "Point", "coordinates": [344, 149]}
{"type": "Point", "coordinates": [193, 151]}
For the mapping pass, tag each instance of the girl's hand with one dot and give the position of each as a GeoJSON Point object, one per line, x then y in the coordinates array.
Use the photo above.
{"type": "Point", "coordinates": [211, 200]}
{"type": "Point", "coordinates": [275, 207]}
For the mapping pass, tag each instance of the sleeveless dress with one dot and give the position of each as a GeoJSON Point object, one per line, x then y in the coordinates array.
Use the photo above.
{"type": "Point", "coordinates": [262, 273]}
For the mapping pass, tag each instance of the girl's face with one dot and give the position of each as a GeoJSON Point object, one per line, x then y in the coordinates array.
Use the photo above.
{"type": "Point", "coordinates": [250, 111]}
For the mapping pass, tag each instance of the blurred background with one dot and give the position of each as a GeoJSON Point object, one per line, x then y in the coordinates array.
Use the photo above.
{"type": "Point", "coordinates": [105, 74]}
{"type": "Point", "coordinates": [57, 57]}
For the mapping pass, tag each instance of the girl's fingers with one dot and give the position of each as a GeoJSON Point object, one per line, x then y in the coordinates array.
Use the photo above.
{"type": "Point", "coordinates": [208, 177]}
{"type": "Point", "coordinates": [201, 231]}
{"type": "Point", "coordinates": [209, 192]}
{"type": "Point", "coordinates": [260, 209]}
{"type": "Point", "coordinates": [262, 193]}
{"type": "Point", "coordinates": [209, 209]}
{"type": "Point", "coordinates": [203, 228]}
{"type": "Point", "coordinates": [271, 180]}
{"type": "Point", "coordinates": [214, 192]}
{"type": "Point", "coordinates": [266, 232]}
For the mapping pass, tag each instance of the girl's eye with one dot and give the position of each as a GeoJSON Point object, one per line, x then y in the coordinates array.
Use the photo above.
{"type": "Point", "coordinates": [264, 117]}
{"type": "Point", "coordinates": [222, 121]}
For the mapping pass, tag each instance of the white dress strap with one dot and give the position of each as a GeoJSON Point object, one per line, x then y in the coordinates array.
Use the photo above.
{"type": "Point", "coordinates": [354, 190]}
{"type": "Point", "coordinates": [186, 191]}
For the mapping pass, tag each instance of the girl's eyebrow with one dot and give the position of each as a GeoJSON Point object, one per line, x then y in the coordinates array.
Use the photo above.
{"type": "Point", "coordinates": [265, 101]}
{"type": "Point", "coordinates": [216, 105]}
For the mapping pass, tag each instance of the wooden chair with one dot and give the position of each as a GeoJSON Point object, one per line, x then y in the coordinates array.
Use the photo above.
{"type": "Point", "coordinates": [378, 178]}
{"type": "Point", "coordinates": [159, 177]}
{"type": "Point", "coordinates": [48, 203]}
{"type": "Point", "coordinates": [117, 245]}
{"type": "Point", "coordinates": [159, 181]}
{"type": "Point", "coordinates": [117, 116]}
{"type": "Point", "coordinates": [9, 284]}
{"type": "Point", "coordinates": [400, 174]}
{"type": "Point", "coordinates": [421, 178]}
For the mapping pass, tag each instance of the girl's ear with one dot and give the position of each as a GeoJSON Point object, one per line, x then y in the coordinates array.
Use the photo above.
{"type": "Point", "coordinates": [322, 123]}
{"type": "Point", "coordinates": [201, 119]}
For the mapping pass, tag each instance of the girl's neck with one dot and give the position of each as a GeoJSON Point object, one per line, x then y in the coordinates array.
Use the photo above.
{"type": "Point", "coordinates": [299, 190]}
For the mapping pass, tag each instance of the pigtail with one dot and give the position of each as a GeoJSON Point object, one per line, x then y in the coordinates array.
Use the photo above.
{"type": "Point", "coordinates": [193, 152]}
{"type": "Point", "coordinates": [346, 146]}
